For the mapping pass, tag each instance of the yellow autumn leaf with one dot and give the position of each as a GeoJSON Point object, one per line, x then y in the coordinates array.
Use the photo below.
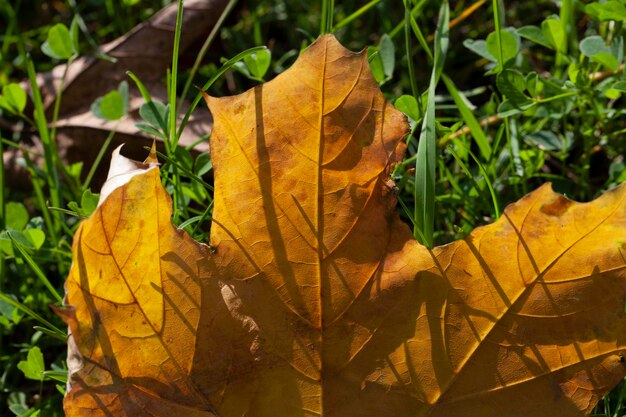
{"type": "Point", "coordinates": [317, 300]}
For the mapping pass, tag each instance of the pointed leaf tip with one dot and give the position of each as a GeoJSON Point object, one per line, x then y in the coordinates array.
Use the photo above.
{"type": "Point", "coordinates": [152, 159]}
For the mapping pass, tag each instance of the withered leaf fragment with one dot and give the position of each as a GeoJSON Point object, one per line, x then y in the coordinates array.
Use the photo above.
{"type": "Point", "coordinates": [317, 301]}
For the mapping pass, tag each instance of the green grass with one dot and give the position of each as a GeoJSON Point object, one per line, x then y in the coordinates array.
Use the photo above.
{"type": "Point", "coordinates": [516, 108]}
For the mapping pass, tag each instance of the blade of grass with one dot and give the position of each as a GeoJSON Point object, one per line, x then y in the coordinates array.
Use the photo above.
{"type": "Point", "coordinates": [557, 97]}
{"type": "Point", "coordinates": [185, 171]}
{"type": "Point", "coordinates": [206, 214]}
{"type": "Point", "coordinates": [179, 206]}
{"type": "Point", "coordinates": [356, 14]}
{"type": "Point", "coordinates": [32, 314]}
{"type": "Point", "coordinates": [197, 141]}
{"type": "Point", "coordinates": [83, 26]}
{"type": "Point", "coordinates": [497, 26]}
{"type": "Point", "coordinates": [173, 139]}
{"type": "Point", "coordinates": [510, 130]}
{"type": "Point", "coordinates": [225, 67]}
{"type": "Point", "coordinates": [498, 69]}
{"type": "Point", "coordinates": [409, 55]}
{"type": "Point", "coordinates": [449, 175]}
{"type": "Point", "coordinates": [50, 153]}
{"type": "Point", "coordinates": [464, 168]}
{"type": "Point", "coordinates": [51, 333]}
{"type": "Point", "coordinates": [470, 120]}
{"type": "Point", "coordinates": [33, 265]}
{"type": "Point", "coordinates": [424, 184]}
{"type": "Point", "coordinates": [66, 211]}
{"type": "Point", "coordinates": [99, 157]}
{"type": "Point", "coordinates": [420, 37]}
{"type": "Point", "coordinates": [205, 46]}
{"type": "Point", "coordinates": [57, 103]}
{"type": "Point", "coordinates": [496, 207]}
{"type": "Point", "coordinates": [487, 121]}
{"type": "Point", "coordinates": [60, 376]}
{"type": "Point", "coordinates": [414, 11]}
{"type": "Point", "coordinates": [142, 88]}
{"type": "Point", "coordinates": [189, 221]}
{"type": "Point", "coordinates": [331, 14]}
{"type": "Point", "coordinates": [496, 142]}
{"type": "Point", "coordinates": [326, 18]}
{"type": "Point", "coordinates": [323, 17]}
{"type": "Point", "coordinates": [407, 212]}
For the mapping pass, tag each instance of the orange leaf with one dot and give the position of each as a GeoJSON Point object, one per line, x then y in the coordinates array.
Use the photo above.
{"type": "Point", "coordinates": [317, 300]}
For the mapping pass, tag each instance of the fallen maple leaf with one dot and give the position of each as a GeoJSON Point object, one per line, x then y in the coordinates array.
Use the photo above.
{"type": "Point", "coordinates": [317, 300]}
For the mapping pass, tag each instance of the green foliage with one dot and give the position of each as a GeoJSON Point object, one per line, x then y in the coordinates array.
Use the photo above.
{"type": "Point", "coordinates": [408, 105]}
{"type": "Point", "coordinates": [510, 46]}
{"type": "Point", "coordinates": [156, 117]}
{"type": "Point", "coordinates": [88, 203]}
{"type": "Point", "coordinates": [382, 59]}
{"type": "Point", "coordinates": [554, 33]}
{"type": "Point", "coordinates": [59, 44]}
{"type": "Point", "coordinates": [255, 65]}
{"type": "Point", "coordinates": [610, 10]}
{"type": "Point", "coordinates": [13, 98]}
{"type": "Point", "coordinates": [33, 367]}
{"type": "Point", "coordinates": [512, 84]}
{"type": "Point", "coordinates": [113, 105]}
{"type": "Point", "coordinates": [16, 215]}
{"type": "Point", "coordinates": [595, 48]}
